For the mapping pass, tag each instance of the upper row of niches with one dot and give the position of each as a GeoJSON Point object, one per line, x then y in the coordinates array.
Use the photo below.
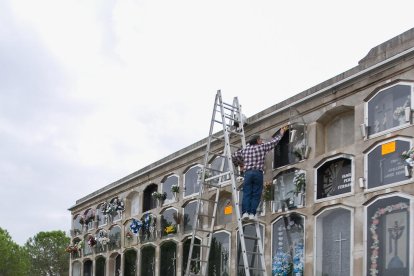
{"type": "Point", "coordinates": [388, 109]}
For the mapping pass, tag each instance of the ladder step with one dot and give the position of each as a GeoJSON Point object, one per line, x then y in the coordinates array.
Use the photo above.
{"type": "Point", "coordinates": [253, 268]}
{"type": "Point", "coordinates": [211, 185]}
{"type": "Point", "coordinates": [199, 260]}
{"type": "Point", "coordinates": [228, 116]}
{"type": "Point", "coordinates": [235, 132]}
{"type": "Point", "coordinates": [219, 138]}
{"type": "Point", "coordinates": [208, 200]}
{"type": "Point", "coordinates": [253, 253]}
{"type": "Point", "coordinates": [202, 245]}
{"type": "Point", "coordinates": [217, 176]}
{"type": "Point", "coordinates": [206, 216]}
{"type": "Point", "coordinates": [204, 230]}
{"type": "Point", "coordinates": [229, 106]}
{"type": "Point", "coordinates": [251, 237]}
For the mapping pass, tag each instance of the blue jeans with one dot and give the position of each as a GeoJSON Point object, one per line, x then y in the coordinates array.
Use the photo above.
{"type": "Point", "coordinates": [252, 191]}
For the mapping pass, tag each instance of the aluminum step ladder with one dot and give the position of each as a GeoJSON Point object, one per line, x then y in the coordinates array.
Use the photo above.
{"type": "Point", "coordinates": [230, 120]}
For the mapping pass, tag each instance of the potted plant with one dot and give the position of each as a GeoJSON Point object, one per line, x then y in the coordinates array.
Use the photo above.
{"type": "Point", "coordinates": [159, 196]}
{"type": "Point", "coordinates": [175, 189]}
{"type": "Point", "coordinates": [267, 191]}
{"type": "Point", "coordinates": [299, 180]}
{"type": "Point", "coordinates": [408, 157]}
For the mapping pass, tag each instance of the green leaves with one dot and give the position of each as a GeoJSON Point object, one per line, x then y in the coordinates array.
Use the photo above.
{"type": "Point", "coordinates": [14, 259]}
{"type": "Point", "coordinates": [47, 254]}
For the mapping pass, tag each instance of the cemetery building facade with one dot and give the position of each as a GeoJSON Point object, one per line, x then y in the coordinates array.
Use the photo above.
{"type": "Point", "coordinates": [339, 187]}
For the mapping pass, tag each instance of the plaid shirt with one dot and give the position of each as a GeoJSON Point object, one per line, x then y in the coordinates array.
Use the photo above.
{"type": "Point", "coordinates": [253, 156]}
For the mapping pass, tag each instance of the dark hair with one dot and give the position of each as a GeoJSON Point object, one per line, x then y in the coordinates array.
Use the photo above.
{"type": "Point", "coordinates": [253, 139]}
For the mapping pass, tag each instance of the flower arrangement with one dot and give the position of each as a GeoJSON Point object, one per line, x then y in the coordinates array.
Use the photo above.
{"type": "Point", "coordinates": [87, 218]}
{"type": "Point", "coordinates": [408, 157]}
{"type": "Point", "coordinates": [75, 247]}
{"type": "Point", "coordinates": [175, 188]}
{"type": "Point", "coordinates": [299, 180]}
{"type": "Point", "coordinates": [267, 191]}
{"type": "Point", "coordinates": [170, 229]}
{"type": "Point", "coordinates": [281, 265]}
{"type": "Point", "coordinates": [299, 150]}
{"type": "Point", "coordinates": [375, 220]}
{"type": "Point", "coordinates": [298, 260]}
{"type": "Point", "coordinates": [135, 226]}
{"type": "Point", "coordinates": [129, 235]}
{"type": "Point", "coordinates": [112, 207]}
{"type": "Point", "coordinates": [104, 240]}
{"type": "Point", "coordinates": [71, 248]}
{"type": "Point", "coordinates": [91, 241]}
{"type": "Point", "coordinates": [160, 196]}
{"type": "Point", "coordinates": [399, 112]}
{"type": "Point", "coordinates": [108, 208]}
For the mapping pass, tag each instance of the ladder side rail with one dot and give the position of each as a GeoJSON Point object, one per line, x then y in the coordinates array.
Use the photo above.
{"type": "Point", "coordinates": [204, 270]}
{"type": "Point", "coordinates": [260, 246]}
{"type": "Point", "coordinates": [201, 188]}
{"type": "Point", "coordinates": [193, 234]}
{"type": "Point", "coordinates": [210, 238]}
{"type": "Point", "coordinates": [236, 205]}
{"type": "Point", "coordinates": [257, 224]}
{"type": "Point", "coordinates": [235, 198]}
{"type": "Point", "coordinates": [241, 125]}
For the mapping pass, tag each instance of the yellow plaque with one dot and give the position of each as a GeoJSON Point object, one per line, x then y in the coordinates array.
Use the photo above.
{"type": "Point", "coordinates": [388, 148]}
{"type": "Point", "coordinates": [228, 210]}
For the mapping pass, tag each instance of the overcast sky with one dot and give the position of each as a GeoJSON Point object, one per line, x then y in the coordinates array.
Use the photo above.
{"type": "Point", "coordinates": [91, 91]}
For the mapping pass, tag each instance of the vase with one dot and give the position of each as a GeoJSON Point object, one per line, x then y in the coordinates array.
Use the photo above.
{"type": "Point", "coordinates": [175, 195]}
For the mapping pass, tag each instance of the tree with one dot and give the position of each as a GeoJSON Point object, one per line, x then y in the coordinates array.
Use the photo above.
{"type": "Point", "coordinates": [47, 254]}
{"type": "Point", "coordinates": [13, 258]}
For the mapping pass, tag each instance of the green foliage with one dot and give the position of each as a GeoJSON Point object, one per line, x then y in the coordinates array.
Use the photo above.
{"type": "Point", "coordinates": [267, 191]}
{"type": "Point", "coordinates": [13, 258]}
{"type": "Point", "coordinates": [47, 253]}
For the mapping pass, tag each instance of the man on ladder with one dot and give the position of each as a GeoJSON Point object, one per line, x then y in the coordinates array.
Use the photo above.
{"type": "Point", "coordinates": [251, 160]}
{"type": "Point", "coordinates": [230, 118]}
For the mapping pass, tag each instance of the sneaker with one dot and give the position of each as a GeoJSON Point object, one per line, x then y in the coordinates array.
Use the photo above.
{"type": "Point", "coordinates": [252, 217]}
{"type": "Point", "coordinates": [245, 216]}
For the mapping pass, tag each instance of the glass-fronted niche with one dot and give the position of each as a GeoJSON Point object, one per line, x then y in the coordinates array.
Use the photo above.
{"type": "Point", "coordinates": [251, 246]}
{"type": "Point", "coordinates": [384, 164]}
{"type": "Point", "coordinates": [333, 242]}
{"type": "Point", "coordinates": [195, 265]}
{"type": "Point", "coordinates": [147, 261]}
{"type": "Point", "coordinates": [288, 246]}
{"type": "Point", "coordinates": [388, 232]}
{"type": "Point", "coordinates": [293, 147]}
{"type": "Point", "coordinates": [168, 260]}
{"type": "Point", "coordinates": [219, 261]}
{"type": "Point", "coordinates": [389, 108]}
{"type": "Point", "coordinates": [191, 183]}
{"type": "Point", "coordinates": [167, 186]}
{"type": "Point", "coordinates": [217, 167]}
{"type": "Point", "coordinates": [289, 190]}
{"type": "Point", "coordinates": [335, 177]}
{"type": "Point", "coordinates": [169, 222]}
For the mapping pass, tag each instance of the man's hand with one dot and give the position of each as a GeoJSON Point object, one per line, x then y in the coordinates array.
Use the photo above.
{"type": "Point", "coordinates": [283, 130]}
